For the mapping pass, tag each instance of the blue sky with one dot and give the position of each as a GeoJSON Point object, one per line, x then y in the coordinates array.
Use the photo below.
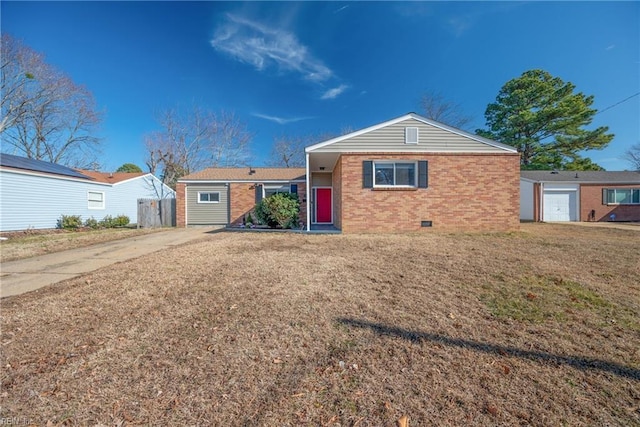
{"type": "Point", "coordinates": [289, 68]}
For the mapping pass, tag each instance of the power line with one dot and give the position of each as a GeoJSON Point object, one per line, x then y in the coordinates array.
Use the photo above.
{"type": "Point", "coordinates": [617, 103]}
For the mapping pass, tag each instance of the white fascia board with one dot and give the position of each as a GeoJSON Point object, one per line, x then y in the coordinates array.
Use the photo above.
{"type": "Point", "coordinates": [52, 176]}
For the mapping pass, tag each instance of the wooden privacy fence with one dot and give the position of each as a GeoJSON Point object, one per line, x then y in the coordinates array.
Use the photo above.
{"type": "Point", "coordinates": [156, 213]}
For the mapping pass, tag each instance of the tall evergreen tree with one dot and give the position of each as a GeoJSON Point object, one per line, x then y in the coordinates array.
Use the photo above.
{"type": "Point", "coordinates": [545, 120]}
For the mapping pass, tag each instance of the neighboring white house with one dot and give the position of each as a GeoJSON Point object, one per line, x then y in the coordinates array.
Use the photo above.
{"type": "Point", "coordinates": [34, 194]}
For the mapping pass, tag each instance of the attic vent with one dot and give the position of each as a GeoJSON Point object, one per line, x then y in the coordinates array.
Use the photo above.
{"type": "Point", "coordinates": [410, 135]}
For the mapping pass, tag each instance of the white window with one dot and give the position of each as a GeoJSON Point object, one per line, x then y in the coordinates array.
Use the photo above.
{"type": "Point", "coordinates": [394, 174]}
{"type": "Point", "coordinates": [623, 196]}
{"type": "Point", "coordinates": [208, 197]}
{"type": "Point", "coordinates": [95, 200]}
{"type": "Point", "coordinates": [410, 135]}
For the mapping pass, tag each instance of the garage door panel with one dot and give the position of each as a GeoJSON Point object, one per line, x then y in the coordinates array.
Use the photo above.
{"type": "Point", "coordinates": [560, 206]}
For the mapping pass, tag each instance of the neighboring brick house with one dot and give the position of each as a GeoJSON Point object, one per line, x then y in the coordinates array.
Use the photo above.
{"type": "Point", "coordinates": [224, 196]}
{"type": "Point", "coordinates": [412, 174]}
{"type": "Point", "coordinates": [580, 196]}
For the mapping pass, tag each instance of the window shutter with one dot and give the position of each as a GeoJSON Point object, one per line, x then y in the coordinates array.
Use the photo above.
{"type": "Point", "coordinates": [258, 193]}
{"type": "Point", "coordinates": [410, 135]}
{"type": "Point", "coordinates": [294, 188]}
{"type": "Point", "coordinates": [423, 174]}
{"type": "Point", "coordinates": [367, 174]}
{"type": "Point", "coordinates": [604, 196]}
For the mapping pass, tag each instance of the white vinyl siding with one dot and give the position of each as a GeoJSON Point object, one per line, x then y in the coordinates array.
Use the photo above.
{"type": "Point", "coordinates": [392, 138]}
{"type": "Point", "coordinates": [19, 210]}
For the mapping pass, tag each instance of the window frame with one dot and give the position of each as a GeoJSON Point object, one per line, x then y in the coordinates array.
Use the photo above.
{"type": "Point", "coordinates": [612, 191]}
{"type": "Point", "coordinates": [394, 163]}
{"type": "Point", "coordinates": [279, 189]}
{"type": "Point", "coordinates": [102, 201]}
{"type": "Point", "coordinates": [200, 201]}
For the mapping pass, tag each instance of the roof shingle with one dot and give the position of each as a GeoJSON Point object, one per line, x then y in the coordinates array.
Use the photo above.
{"type": "Point", "coordinates": [244, 174]}
{"type": "Point", "coordinates": [596, 177]}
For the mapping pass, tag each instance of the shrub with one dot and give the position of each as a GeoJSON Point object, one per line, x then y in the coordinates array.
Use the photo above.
{"type": "Point", "coordinates": [111, 222]}
{"type": "Point", "coordinates": [279, 210]}
{"type": "Point", "coordinates": [91, 223]}
{"type": "Point", "coordinates": [69, 222]}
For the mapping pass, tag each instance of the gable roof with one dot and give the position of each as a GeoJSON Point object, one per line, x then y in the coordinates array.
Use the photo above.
{"type": "Point", "coordinates": [33, 165]}
{"type": "Point", "coordinates": [424, 120]}
{"type": "Point", "coordinates": [111, 178]}
{"type": "Point", "coordinates": [243, 174]}
{"type": "Point", "coordinates": [594, 177]}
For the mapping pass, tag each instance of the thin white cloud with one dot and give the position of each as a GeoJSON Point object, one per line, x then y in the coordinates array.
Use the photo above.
{"type": "Point", "coordinates": [262, 46]}
{"type": "Point", "coordinates": [340, 9]}
{"type": "Point", "coordinates": [459, 25]}
{"type": "Point", "coordinates": [280, 120]}
{"type": "Point", "coordinates": [335, 92]}
{"type": "Point", "coordinates": [610, 47]}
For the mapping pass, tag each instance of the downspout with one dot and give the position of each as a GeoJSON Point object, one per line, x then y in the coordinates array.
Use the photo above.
{"type": "Point", "coordinates": [541, 196]}
{"type": "Point", "coordinates": [308, 191]}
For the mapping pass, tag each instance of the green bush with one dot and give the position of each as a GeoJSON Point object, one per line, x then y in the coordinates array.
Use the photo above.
{"type": "Point", "coordinates": [69, 222]}
{"type": "Point", "coordinates": [91, 223]}
{"type": "Point", "coordinates": [279, 210]}
{"type": "Point", "coordinates": [111, 222]}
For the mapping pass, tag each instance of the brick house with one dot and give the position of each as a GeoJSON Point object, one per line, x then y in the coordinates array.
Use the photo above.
{"type": "Point", "coordinates": [412, 173]}
{"type": "Point", "coordinates": [580, 196]}
{"type": "Point", "coordinates": [224, 196]}
{"type": "Point", "coordinates": [407, 174]}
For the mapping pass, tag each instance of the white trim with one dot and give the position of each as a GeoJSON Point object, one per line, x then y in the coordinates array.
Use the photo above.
{"type": "Point", "coordinates": [414, 116]}
{"type": "Point", "coordinates": [198, 201]}
{"type": "Point", "coordinates": [315, 203]}
{"type": "Point", "coordinates": [411, 135]}
{"type": "Point", "coordinates": [104, 200]}
{"type": "Point", "coordinates": [307, 178]}
{"type": "Point", "coordinates": [235, 181]}
{"type": "Point", "coordinates": [52, 176]}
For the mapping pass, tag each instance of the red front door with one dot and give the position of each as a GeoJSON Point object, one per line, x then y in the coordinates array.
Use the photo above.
{"type": "Point", "coordinates": [323, 205]}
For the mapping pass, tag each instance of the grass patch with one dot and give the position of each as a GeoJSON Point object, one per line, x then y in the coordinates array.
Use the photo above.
{"type": "Point", "coordinates": [539, 298]}
{"type": "Point", "coordinates": [292, 329]}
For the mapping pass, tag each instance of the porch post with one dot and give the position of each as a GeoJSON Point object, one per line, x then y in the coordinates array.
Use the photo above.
{"type": "Point", "coordinates": [308, 191]}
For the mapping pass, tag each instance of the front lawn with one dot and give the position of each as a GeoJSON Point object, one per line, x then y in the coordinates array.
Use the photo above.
{"type": "Point", "coordinates": [538, 327]}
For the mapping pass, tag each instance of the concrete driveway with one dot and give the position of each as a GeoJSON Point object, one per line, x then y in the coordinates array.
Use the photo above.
{"type": "Point", "coordinates": [20, 276]}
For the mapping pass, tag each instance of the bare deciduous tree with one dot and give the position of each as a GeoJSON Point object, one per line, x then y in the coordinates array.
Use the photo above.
{"type": "Point", "coordinates": [288, 151]}
{"type": "Point", "coordinates": [436, 107]}
{"type": "Point", "coordinates": [196, 139]}
{"type": "Point", "coordinates": [632, 155]}
{"type": "Point", "coordinates": [45, 115]}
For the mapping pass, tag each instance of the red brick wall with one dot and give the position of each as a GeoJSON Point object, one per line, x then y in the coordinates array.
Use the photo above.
{"type": "Point", "coordinates": [243, 200]}
{"type": "Point", "coordinates": [180, 201]}
{"type": "Point", "coordinates": [591, 199]}
{"type": "Point", "coordinates": [475, 192]}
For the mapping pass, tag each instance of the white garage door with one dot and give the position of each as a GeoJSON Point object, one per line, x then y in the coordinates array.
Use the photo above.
{"type": "Point", "coordinates": [560, 206]}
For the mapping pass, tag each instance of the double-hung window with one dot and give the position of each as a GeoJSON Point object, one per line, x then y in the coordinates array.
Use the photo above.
{"type": "Point", "coordinates": [394, 174]}
{"type": "Point", "coordinates": [208, 197]}
{"type": "Point", "coordinates": [621, 196]}
{"type": "Point", "coordinates": [95, 199]}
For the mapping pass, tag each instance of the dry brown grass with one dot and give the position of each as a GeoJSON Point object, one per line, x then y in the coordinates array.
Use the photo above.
{"type": "Point", "coordinates": [539, 327]}
{"type": "Point", "coordinates": [30, 243]}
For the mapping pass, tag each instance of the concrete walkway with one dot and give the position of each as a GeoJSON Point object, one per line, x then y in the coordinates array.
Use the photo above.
{"type": "Point", "coordinates": [633, 226]}
{"type": "Point", "coordinates": [20, 276]}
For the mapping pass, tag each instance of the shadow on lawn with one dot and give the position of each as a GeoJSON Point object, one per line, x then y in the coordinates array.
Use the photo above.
{"type": "Point", "coordinates": [577, 362]}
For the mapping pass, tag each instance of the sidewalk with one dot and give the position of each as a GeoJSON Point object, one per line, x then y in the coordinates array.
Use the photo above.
{"type": "Point", "coordinates": [20, 276]}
